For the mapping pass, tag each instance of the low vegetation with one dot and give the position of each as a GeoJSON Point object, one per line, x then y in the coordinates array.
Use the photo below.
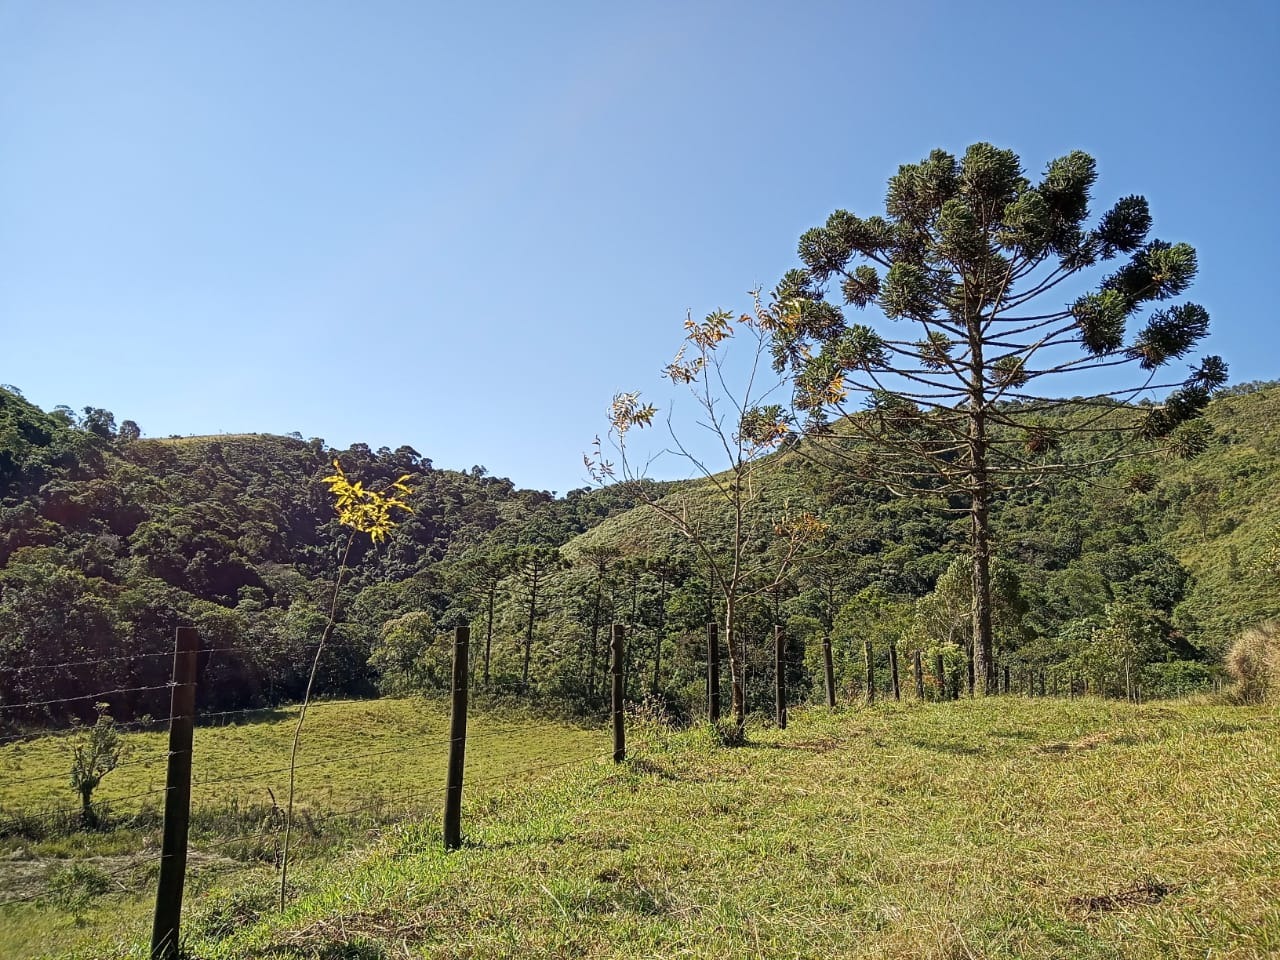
{"type": "Point", "coordinates": [999, 829]}
{"type": "Point", "coordinates": [363, 765]}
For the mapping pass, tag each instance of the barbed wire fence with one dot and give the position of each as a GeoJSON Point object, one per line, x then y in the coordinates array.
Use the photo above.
{"type": "Point", "coordinates": [164, 816]}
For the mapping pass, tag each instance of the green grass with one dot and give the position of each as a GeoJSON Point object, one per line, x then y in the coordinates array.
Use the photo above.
{"type": "Point", "coordinates": [999, 829]}
{"type": "Point", "coordinates": [97, 887]}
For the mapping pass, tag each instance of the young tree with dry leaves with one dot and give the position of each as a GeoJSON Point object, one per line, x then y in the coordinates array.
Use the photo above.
{"type": "Point", "coordinates": [734, 404]}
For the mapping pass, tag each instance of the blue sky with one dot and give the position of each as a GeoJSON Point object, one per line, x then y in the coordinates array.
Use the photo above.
{"type": "Point", "coordinates": [463, 227]}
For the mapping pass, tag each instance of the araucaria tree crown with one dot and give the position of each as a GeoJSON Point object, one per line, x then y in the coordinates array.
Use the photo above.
{"type": "Point", "coordinates": [960, 389]}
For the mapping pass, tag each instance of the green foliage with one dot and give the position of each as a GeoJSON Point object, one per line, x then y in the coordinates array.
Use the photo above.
{"type": "Point", "coordinates": [103, 557]}
{"type": "Point", "coordinates": [410, 655]}
{"type": "Point", "coordinates": [971, 253]}
{"type": "Point", "coordinates": [73, 887]}
{"type": "Point", "coordinates": [94, 754]}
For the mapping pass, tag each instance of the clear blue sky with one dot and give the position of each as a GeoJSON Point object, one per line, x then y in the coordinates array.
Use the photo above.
{"type": "Point", "coordinates": [464, 226]}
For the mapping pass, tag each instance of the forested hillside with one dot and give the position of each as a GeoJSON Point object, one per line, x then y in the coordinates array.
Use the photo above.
{"type": "Point", "coordinates": [109, 540]}
{"type": "Point", "coordinates": [1160, 560]}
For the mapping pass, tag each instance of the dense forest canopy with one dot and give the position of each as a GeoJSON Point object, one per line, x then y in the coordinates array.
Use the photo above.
{"type": "Point", "coordinates": [109, 540]}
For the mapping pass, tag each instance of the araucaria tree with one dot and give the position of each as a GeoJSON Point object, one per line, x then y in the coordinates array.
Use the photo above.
{"type": "Point", "coordinates": [977, 272]}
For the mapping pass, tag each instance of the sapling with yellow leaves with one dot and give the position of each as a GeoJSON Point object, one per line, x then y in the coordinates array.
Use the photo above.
{"type": "Point", "coordinates": [360, 510]}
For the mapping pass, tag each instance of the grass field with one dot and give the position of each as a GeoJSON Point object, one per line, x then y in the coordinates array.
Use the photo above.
{"type": "Point", "coordinates": [1006, 828]}
{"type": "Point", "coordinates": [362, 765]}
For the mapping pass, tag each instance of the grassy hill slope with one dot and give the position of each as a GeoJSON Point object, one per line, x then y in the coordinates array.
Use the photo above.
{"type": "Point", "coordinates": [1005, 828]}
{"type": "Point", "coordinates": [362, 765]}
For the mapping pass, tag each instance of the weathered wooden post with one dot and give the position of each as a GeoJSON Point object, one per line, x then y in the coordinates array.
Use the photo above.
{"type": "Point", "coordinates": [917, 667]}
{"type": "Point", "coordinates": [616, 644]}
{"type": "Point", "coordinates": [177, 797]}
{"type": "Point", "coordinates": [893, 669]}
{"type": "Point", "coordinates": [871, 672]}
{"type": "Point", "coordinates": [780, 676]}
{"type": "Point", "coordinates": [713, 674]}
{"type": "Point", "coordinates": [939, 672]}
{"type": "Point", "coordinates": [457, 741]}
{"type": "Point", "coordinates": [828, 671]}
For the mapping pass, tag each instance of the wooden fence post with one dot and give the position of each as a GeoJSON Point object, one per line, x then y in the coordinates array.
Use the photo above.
{"type": "Point", "coordinates": [177, 798]}
{"type": "Point", "coordinates": [457, 740]}
{"type": "Point", "coordinates": [918, 668]}
{"type": "Point", "coordinates": [893, 669]}
{"type": "Point", "coordinates": [871, 672]}
{"type": "Point", "coordinates": [780, 676]}
{"type": "Point", "coordinates": [828, 671]}
{"type": "Point", "coordinates": [616, 644]}
{"type": "Point", "coordinates": [939, 671]}
{"type": "Point", "coordinates": [713, 673]}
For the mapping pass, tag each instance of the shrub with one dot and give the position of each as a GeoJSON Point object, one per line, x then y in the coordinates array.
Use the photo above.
{"type": "Point", "coordinates": [1254, 662]}
{"type": "Point", "coordinates": [74, 886]}
{"type": "Point", "coordinates": [1175, 678]}
{"type": "Point", "coordinates": [94, 754]}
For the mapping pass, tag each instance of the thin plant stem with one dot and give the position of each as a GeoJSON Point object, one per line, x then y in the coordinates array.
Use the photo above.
{"type": "Point", "coordinates": [302, 715]}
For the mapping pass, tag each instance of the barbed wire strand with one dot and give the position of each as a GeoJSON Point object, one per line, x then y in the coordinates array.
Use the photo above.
{"type": "Point", "coordinates": [119, 766]}
{"type": "Point", "coordinates": [20, 668]}
{"type": "Point", "coordinates": [86, 696]}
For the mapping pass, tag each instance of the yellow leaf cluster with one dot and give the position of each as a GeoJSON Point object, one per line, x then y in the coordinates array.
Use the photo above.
{"type": "Point", "coordinates": [626, 411]}
{"type": "Point", "coordinates": [801, 527]}
{"type": "Point", "coordinates": [681, 371]}
{"type": "Point", "coordinates": [366, 511]}
{"type": "Point", "coordinates": [708, 334]}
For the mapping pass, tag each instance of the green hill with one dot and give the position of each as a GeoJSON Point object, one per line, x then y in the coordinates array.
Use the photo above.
{"type": "Point", "coordinates": [1215, 515]}
{"type": "Point", "coordinates": [109, 540]}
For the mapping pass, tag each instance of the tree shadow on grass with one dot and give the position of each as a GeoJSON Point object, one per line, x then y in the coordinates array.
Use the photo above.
{"type": "Point", "coordinates": [952, 747]}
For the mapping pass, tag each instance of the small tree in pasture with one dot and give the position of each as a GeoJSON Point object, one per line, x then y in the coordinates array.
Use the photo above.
{"type": "Point", "coordinates": [94, 754]}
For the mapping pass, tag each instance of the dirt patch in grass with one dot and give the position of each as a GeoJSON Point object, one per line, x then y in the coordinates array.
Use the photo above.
{"type": "Point", "coordinates": [1146, 893]}
{"type": "Point", "coordinates": [363, 929]}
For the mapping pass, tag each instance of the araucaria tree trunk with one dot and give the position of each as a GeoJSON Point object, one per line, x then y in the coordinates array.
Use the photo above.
{"type": "Point", "coordinates": [528, 633]}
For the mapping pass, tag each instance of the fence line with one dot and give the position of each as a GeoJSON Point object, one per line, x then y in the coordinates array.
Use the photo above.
{"type": "Point", "coordinates": [180, 783]}
{"type": "Point", "coordinates": [120, 659]}
{"type": "Point", "coordinates": [83, 696]}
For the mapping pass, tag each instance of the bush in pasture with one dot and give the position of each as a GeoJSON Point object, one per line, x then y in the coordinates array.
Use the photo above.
{"type": "Point", "coordinates": [1254, 663]}
{"type": "Point", "coordinates": [73, 887]}
{"type": "Point", "coordinates": [94, 754]}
